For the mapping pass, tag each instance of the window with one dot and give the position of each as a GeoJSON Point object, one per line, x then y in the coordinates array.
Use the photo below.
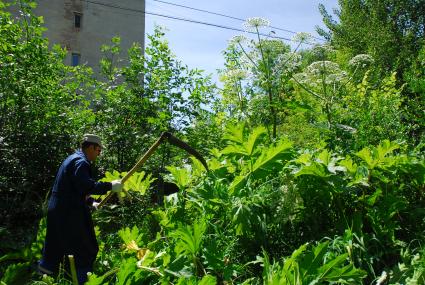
{"type": "Point", "coordinates": [75, 59]}
{"type": "Point", "coordinates": [77, 20]}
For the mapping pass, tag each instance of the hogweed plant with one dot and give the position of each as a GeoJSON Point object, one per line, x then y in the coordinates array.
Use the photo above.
{"type": "Point", "coordinates": [326, 83]}
{"type": "Point", "coordinates": [323, 80]}
{"type": "Point", "coordinates": [258, 71]}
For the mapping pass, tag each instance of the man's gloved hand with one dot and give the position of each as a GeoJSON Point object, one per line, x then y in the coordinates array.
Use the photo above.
{"type": "Point", "coordinates": [116, 186]}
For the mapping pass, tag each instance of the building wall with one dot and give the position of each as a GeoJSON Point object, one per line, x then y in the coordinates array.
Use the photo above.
{"type": "Point", "coordinates": [99, 23]}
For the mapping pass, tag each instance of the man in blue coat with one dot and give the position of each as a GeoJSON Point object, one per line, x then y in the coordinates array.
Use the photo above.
{"type": "Point", "coordinates": [70, 228]}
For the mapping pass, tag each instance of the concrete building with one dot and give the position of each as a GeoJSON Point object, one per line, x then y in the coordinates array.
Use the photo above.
{"type": "Point", "coordinates": [82, 27]}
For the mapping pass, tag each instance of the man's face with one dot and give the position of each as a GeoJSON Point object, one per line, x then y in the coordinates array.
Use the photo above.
{"type": "Point", "coordinates": [93, 152]}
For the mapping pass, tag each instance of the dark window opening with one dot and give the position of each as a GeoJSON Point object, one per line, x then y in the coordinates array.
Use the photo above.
{"type": "Point", "coordinates": [77, 20]}
{"type": "Point", "coordinates": [75, 59]}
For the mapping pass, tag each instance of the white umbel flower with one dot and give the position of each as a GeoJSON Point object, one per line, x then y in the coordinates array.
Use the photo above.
{"type": "Point", "coordinates": [361, 60]}
{"type": "Point", "coordinates": [238, 39]}
{"type": "Point", "coordinates": [302, 37]}
{"type": "Point", "coordinates": [287, 63]}
{"type": "Point", "coordinates": [236, 74]}
{"type": "Point", "coordinates": [255, 23]}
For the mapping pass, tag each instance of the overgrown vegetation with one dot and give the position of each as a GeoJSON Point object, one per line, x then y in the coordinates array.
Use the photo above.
{"type": "Point", "coordinates": [315, 154]}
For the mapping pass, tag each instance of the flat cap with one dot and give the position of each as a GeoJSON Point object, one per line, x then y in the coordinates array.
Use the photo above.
{"type": "Point", "coordinates": [93, 139]}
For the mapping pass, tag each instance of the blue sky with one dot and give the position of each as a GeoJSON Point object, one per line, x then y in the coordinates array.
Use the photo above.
{"type": "Point", "coordinates": [200, 46]}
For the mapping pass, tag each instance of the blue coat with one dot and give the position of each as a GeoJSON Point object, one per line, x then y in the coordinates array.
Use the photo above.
{"type": "Point", "coordinates": [69, 224]}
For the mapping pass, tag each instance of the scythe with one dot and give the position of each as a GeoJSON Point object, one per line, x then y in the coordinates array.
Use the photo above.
{"type": "Point", "coordinates": [165, 136]}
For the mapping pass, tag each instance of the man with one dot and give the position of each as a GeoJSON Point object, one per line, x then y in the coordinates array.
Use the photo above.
{"type": "Point", "coordinates": [70, 228]}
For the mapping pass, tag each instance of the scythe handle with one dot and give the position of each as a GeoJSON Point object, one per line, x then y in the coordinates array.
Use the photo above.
{"type": "Point", "coordinates": [137, 165]}
{"type": "Point", "coordinates": [145, 157]}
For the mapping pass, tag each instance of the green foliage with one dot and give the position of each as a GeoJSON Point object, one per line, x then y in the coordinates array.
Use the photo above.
{"type": "Point", "coordinates": [356, 193]}
{"type": "Point", "coordinates": [348, 114]}
{"type": "Point", "coordinates": [129, 235]}
{"type": "Point", "coordinates": [393, 37]}
{"type": "Point", "coordinates": [188, 243]}
{"type": "Point", "coordinates": [265, 163]}
{"type": "Point", "coordinates": [410, 271]}
{"type": "Point", "coordinates": [365, 194]}
{"type": "Point", "coordinates": [181, 176]}
{"type": "Point", "coordinates": [95, 280]}
{"type": "Point", "coordinates": [380, 156]}
{"type": "Point", "coordinates": [138, 183]}
{"type": "Point", "coordinates": [414, 77]}
{"type": "Point", "coordinates": [17, 273]}
{"type": "Point", "coordinates": [251, 160]}
{"type": "Point", "coordinates": [206, 280]}
{"type": "Point", "coordinates": [153, 93]}
{"type": "Point", "coordinates": [190, 239]}
{"type": "Point", "coordinates": [314, 266]}
{"type": "Point", "coordinates": [375, 112]}
{"type": "Point", "coordinates": [128, 272]}
{"type": "Point", "coordinates": [244, 148]}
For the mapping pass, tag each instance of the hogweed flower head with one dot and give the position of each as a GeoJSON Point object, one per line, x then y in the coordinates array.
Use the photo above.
{"type": "Point", "coordinates": [287, 63]}
{"type": "Point", "coordinates": [238, 39]}
{"type": "Point", "coordinates": [320, 72]}
{"type": "Point", "coordinates": [323, 67]}
{"type": "Point", "coordinates": [234, 75]}
{"type": "Point", "coordinates": [302, 37]}
{"type": "Point", "coordinates": [323, 50]}
{"type": "Point", "coordinates": [361, 60]}
{"type": "Point", "coordinates": [252, 24]}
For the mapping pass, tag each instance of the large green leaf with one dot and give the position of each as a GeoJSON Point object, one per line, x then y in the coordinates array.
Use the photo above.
{"type": "Point", "coordinates": [128, 235]}
{"type": "Point", "coordinates": [378, 156]}
{"type": "Point", "coordinates": [189, 238]}
{"type": "Point", "coordinates": [347, 274]}
{"type": "Point", "coordinates": [241, 146]}
{"type": "Point", "coordinates": [254, 139]}
{"type": "Point", "coordinates": [313, 259]}
{"type": "Point", "coordinates": [269, 159]}
{"type": "Point", "coordinates": [314, 168]}
{"type": "Point", "coordinates": [128, 272]}
{"type": "Point", "coordinates": [322, 165]}
{"type": "Point", "coordinates": [139, 182]}
{"type": "Point", "coordinates": [181, 175]}
{"type": "Point", "coordinates": [235, 133]}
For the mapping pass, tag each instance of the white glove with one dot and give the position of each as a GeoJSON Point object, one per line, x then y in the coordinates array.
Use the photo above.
{"type": "Point", "coordinates": [95, 205]}
{"type": "Point", "coordinates": [116, 186]}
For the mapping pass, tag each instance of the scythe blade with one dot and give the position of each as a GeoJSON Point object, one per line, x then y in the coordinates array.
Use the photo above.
{"type": "Point", "coordinates": [181, 144]}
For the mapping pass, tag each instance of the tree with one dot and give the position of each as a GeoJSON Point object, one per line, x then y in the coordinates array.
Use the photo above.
{"type": "Point", "coordinates": [40, 117]}
{"type": "Point", "coordinates": [392, 32]}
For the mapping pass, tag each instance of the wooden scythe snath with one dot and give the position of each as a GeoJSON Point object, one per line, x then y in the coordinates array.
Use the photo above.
{"type": "Point", "coordinates": [165, 136]}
